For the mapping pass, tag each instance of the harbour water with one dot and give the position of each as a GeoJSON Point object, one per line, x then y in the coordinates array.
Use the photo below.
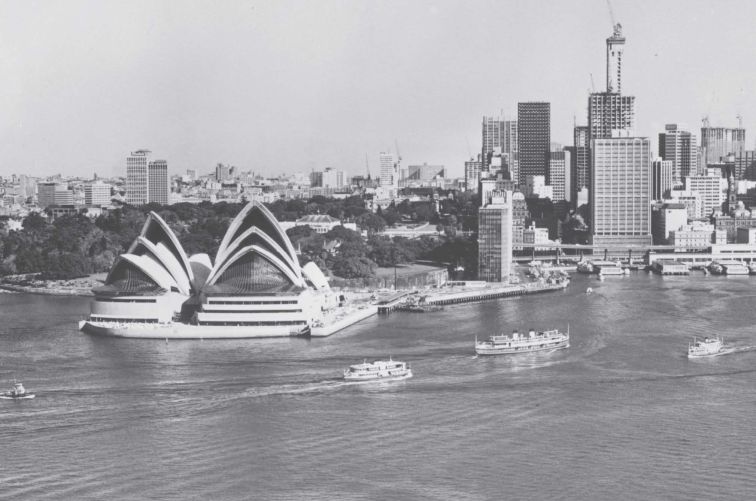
{"type": "Point", "coordinates": [620, 414]}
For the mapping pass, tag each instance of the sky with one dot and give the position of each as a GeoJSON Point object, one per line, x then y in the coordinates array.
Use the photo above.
{"type": "Point", "coordinates": [288, 86]}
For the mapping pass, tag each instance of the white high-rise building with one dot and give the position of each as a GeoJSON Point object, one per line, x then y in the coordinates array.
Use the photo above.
{"type": "Point", "coordinates": [621, 191]}
{"type": "Point", "coordinates": [389, 173]}
{"type": "Point", "coordinates": [709, 189]}
{"type": "Point", "coordinates": [137, 192]}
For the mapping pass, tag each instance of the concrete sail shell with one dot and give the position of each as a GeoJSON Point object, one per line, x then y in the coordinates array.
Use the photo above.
{"type": "Point", "coordinates": [168, 260]}
{"type": "Point", "coordinates": [147, 266]}
{"type": "Point", "coordinates": [284, 270]}
{"type": "Point", "coordinates": [157, 231]}
{"type": "Point", "coordinates": [254, 236]}
{"type": "Point", "coordinates": [256, 214]}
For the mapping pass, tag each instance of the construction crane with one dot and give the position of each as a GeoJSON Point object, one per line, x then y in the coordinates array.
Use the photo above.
{"type": "Point", "coordinates": [593, 86]}
{"type": "Point", "coordinates": [740, 121]}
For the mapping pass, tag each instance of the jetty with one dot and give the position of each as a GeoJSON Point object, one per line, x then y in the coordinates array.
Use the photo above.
{"type": "Point", "coordinates": [481, 294]}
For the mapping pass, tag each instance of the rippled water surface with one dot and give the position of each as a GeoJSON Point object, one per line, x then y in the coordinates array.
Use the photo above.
{"type": "Point", "coordinates": [621, 414]}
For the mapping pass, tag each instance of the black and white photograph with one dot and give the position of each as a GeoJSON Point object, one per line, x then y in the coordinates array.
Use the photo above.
{"type": "Point", "coordinates": [377, 249]}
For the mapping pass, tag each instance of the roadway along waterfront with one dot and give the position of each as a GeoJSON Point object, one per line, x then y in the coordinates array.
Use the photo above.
{"type": "Point", "coordinates": [620, 414]}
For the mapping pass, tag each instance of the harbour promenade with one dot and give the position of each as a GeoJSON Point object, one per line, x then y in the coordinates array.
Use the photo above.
{"type": "Point", "coordinates": [462, 295]}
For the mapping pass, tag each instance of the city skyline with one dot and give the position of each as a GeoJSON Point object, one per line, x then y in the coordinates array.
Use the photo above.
{"type": "Point", "coordinates": [225, 83]}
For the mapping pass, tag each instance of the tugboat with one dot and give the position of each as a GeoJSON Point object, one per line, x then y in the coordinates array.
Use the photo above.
{"type": "Point", "coordinates": [380, 370]}
{"type": "Point", "coordinates": [709, 347]}
{"type": "Point", "coordinates": [18, 392]}
{"type": "Point", "coordinates": [520, 343]}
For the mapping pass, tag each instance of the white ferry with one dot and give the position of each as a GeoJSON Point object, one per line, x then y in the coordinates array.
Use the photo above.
{"type": "Point", "coordinates": [380, 370]}
{"type": "Point", "coordinates": [521, 343]}
{"type": "Point", "coordinates": [708, 347]}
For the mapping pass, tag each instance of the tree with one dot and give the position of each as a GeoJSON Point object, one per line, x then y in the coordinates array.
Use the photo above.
{"type": "Point", "coordinates": [354, 267]}
{"type": "Point", "coordinates": [371, 223]}
{"type": "Point", "coordinates": [34, 222]}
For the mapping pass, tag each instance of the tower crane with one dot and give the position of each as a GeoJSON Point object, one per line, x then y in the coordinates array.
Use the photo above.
{"type": "Point", "coordinates": [740, 121]}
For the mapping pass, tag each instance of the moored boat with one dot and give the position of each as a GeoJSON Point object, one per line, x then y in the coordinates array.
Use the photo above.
{"type": "Point", "coordinates": [521, 343]}
{"type": "Point", "coordinates": [708, 347]}
{"type": "Point", "coordinates": [380, 370]}
{"type": "Point", "coordinates": [18, 392]}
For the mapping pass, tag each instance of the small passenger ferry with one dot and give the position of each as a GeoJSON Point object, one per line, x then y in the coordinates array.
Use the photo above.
{"type": "Point", "coordinates": [708, 347]}
{"type": "Point", "coordinates": [521, 343]}
{"type": "Point", "coordinates": [18, 392]}
{"type": "Point", "coordinates": [380, 370]}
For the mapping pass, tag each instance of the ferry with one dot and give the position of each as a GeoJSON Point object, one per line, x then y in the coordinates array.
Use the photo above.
{"type": "Point", "coordinates": [752, 269]}
{"type": "Point", "coordinates": [18, 392]}
{"type": "Point", "coordinates": [710, 346]}
{"type": "Point", "coordinates": [521, 343]}
{"type": "Point", "coordinates": [380, 370]}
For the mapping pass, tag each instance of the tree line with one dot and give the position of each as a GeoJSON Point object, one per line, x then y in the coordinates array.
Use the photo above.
{"type": "Point", "coordinates": [74, 246]}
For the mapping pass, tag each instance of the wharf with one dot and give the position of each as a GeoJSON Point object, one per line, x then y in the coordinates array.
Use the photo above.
{"type": "Point", "coordinates": [389, 303]}
{"type": "Point", "coordinates": [343, 321]}
{"type": "Point", "coordinates": [468, 296]}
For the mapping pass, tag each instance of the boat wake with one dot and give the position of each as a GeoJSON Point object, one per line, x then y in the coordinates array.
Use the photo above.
{"type": "Point", "coordinates": [327, 385]}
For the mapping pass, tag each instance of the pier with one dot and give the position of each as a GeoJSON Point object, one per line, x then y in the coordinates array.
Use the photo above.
{"type": "Point", "coordinates": [470, 296]}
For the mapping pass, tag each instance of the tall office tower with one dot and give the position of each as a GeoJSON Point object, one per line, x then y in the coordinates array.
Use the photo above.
{"type": "Point", "coordinates": [491, 138]}
{"type": "Point", "coordinates": [615, 47]}
{"type": "Point", "coordinates": [610, 114]}
{"type": "Point", "coordinates": [745, 165]}
{"type": "Point", "coordinates": [159, 187]}
{"type": "Point", "coordinates": [621, 191]}
{"type": "Point", "coordinates": [709, 189]}
{"type": "Point", "coordinates": [495, 237]}
{"type": "Point", "coordinates": [388, 169]}
{"type": "Point", "coordinates": [222, 173]}
{"type": "Point", "coordinates": [534, 139]}
{"type": "Point", "coordinates": [681, 148]}
{"type": "Point", "coordinates": [136, 177]}
{"type": "Point", "coordinates": [559, 161]}
{"type": "Point", "coordinates": [97, 194]}
{"type": "Point", "coordinates": [580, 161]}
{"type": "Point", "coordinates": [721, 141]}
{"type": "Point", "coordinates": [661, 179]}
{"type": "Point", "coordinates": [46, 194]}
{"type": "Point", "coordinates": [509, 148]}
{"type": "Point", "coordinates": [472, 174]}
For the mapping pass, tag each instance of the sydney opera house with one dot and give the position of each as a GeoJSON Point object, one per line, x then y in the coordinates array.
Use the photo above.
{"type": "Point", "coordinates": [254, 287]}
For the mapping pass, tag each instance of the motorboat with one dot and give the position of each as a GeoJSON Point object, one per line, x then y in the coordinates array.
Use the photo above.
{"type": "Point", "coordinates": [18, 392]}
{"type": "Point", "coordinates": [523, 343]}
{"type": "Point", "coordinates": [707, 347]}
{"type": "Point", "coordinates": [380, 370]}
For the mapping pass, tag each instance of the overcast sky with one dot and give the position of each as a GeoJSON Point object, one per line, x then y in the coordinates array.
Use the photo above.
{"type": "Point", "coordinates": [285, 86]}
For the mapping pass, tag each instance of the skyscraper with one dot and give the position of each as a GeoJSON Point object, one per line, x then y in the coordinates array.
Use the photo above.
{"type": "Point", "coordinates": [222, 172]}
{"type": "Point", "coordinates": [46, 194]}
{"type": "Point", "coordinates": [580, 161]}
{"type": "Point", "coordinates": [620, 191]}
{"type": "Point", "coordinates": [681, 148]}
{"type": "Point", "coordinates": [559, 161]}
{"type": "Point", "coordinates": [534, 139]}
{"type": "Point", "coordinates": [388, 170]}
{"type": "Point", "coordinates": [472, 174]}
{"type": "Point", "coordinates": [495, 237]}
{"type": "Point", "coordinates": [136, 177]}
{"type": "Point", "coordinates": [661, 179]}
{"type": "Point", "coordinates": [158, 186]}
{"type": "Point", "coordinates": [721, 141]}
